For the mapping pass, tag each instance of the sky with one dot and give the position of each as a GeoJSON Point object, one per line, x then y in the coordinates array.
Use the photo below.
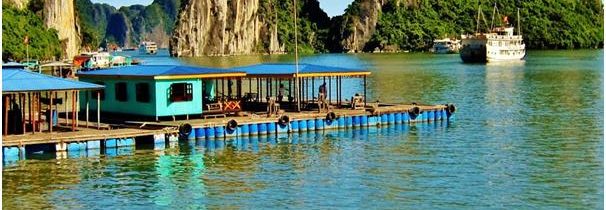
{"type": "Point", "coordinates": [331, 7]}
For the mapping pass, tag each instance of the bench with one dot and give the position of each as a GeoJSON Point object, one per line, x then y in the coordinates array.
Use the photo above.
{"type": "Point", "coordinates": [213, 110]}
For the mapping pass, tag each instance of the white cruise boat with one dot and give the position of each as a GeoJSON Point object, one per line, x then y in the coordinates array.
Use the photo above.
{"type": "Point", "coordinates": [499, 44]}
{"type": "Point", "coordinates": [148, 47]}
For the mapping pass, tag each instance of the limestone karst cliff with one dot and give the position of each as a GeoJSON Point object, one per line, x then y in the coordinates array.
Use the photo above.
{"type": "Point", "coordinates": [351, 31]}
{"type": "Point", "coordinates": [60, 15]}
{"type": "Point", "coordinates": [221, 27]}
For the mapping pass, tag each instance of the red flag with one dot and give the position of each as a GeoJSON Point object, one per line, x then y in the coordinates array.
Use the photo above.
{"type": "Point", "coordinates": [505, 20]}
{"type": "Point", "coordinates": [26, 40]}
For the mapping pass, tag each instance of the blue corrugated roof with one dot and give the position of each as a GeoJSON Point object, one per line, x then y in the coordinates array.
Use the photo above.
{"type": "Point", "coordinates": [155, 70]}
{"type": "Point", "coordinates": [288, 68]}
{"type": "Point", "coordinates": [15, 80]}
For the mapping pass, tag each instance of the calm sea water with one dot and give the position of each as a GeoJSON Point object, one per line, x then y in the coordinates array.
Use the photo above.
{"type": "Point", "coordinates": [525, 136]}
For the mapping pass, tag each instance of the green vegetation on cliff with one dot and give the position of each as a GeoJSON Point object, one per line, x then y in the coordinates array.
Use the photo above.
{"type": "Point", "coordinates": [552, 24]}
{"type": "Point", "coordinates": [312, 24]}
{"type": "Point", "coordinates": [43, 43]}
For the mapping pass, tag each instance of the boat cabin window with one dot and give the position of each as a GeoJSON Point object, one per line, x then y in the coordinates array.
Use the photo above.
{"type": "Point", "coordinates": [102, 92]}
{"type": "Point", "coordinates": [142, 90]}
{"type": "Point", "coordinates": [181, 92]}
{"type": "Point", "coordinates": [121, 93]}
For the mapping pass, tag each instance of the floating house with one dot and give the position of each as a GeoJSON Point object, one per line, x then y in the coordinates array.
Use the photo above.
{"type": "Point", "coordinates": [155, 90]}
{"type": "Point", "coordinates": [27, 96]}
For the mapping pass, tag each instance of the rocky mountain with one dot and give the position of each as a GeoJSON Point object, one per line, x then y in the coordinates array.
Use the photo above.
{"type": "Point", "coordinates": [235, 27]}
{"type": "Point", "coordinates": [60, 15]}
{"type": "Point", "coordinates": [55, 14]}
{"type": "Point", "coordinates": [351, 31]}
{"type": "Point", "coordinates": [127, 26]}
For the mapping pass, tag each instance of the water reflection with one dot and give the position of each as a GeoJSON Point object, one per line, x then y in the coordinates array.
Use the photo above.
{"type": "Point", "coordinates": [525, 137]}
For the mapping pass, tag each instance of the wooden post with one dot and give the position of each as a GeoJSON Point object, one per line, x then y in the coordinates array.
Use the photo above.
{"type": "Point", "coordinates": [313, 87]}
{"type": "Point", "coordinates": [65, 107]}
{"type": "Point", "coordinates": [39, 101]}
{"type": "Point", "coordinates": [29, 109]}
{"type": "Point", "coordinates": [50, 122]}
{"type": "Point", "coordinates": [249, 85]}
{"type": "Point", "coordinates": [77, 111]}
{"type": "Point", "coordinates": [6, 107]}
{"type": "Point", "coordinates": [73, 110]}
{"type": "Point", "coordinates": [329, 89]}
{"type": "Point", "coordinates": [365, 91]}
{"type": "Point", "coordinates": [98, 109]}
{"type": "Point", "coordinates": [22, 106]}
{"type": "Point", "coordinates": [87, 106]}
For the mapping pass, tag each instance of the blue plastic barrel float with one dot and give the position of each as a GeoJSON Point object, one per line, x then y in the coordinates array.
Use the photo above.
{"type": "Point", "coordinates": [93, 144]}
{"type": "Point", "coordinates": [430, 115]}
{"type": "Point", "coordinates": [398, 118]}
{"type": "Point", "coordinates": [76, 146]}
{"type": "Point", "coordinates": [330, 124]}
{"type": "Point", "coordinates": [200, 134]}
{"type": "Point", "coordinates": [373, 120]}
{"type": "Point", "coordinates": [349, 121]}
{"type": "Point", "coordinates": [311, 124]}
{"type": "Point", "coordinates": [262, 128]}
{"type": "Point", "coordinates": [341, 122]}
{"type": "Point", "coordinates": [253, 129]}
{"type": "Point", "coordinates": [356, 121]}
{"type": "Point", "coordinates": [294, 126]}
{"type": "Point", "coordinates": [319, 124]}
{"type": "Point", "coordinates": [384, 119]}
{"type": "Point", "coordinates": [219, 131]}
{"type": "Point", "coordinates": [391, 118]}
{"type": "Point", "coordinates": [438, 114]}
{"type": "Point", "coordinates": [302, 125]}
{"type": "Point", "coordinates": [243, 130]}
{"type": "Point", "coordinates": [191, 135]}
{"type": "Point", "coordinates": [127, 142]}
{"type": "Point", "coordinates": [209, 132]}
{"type": "Point", "coordinates": [271, 127]}
{"type": "Point", "coordinates": [363, 120]}
{"type": "Point", "coordinates": [110, 143]}
{"type": "Point", "coordinates": [405, 117]}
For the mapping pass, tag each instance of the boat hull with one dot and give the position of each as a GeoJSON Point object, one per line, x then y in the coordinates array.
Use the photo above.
{"type": "Point", "coordinates": [473, 54]}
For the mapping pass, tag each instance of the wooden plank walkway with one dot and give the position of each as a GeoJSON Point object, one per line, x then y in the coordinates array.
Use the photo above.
{"type": "Point", "coordinates": [86, 134]}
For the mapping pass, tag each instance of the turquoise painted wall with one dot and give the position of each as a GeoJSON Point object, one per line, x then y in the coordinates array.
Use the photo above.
{"type": "Point", "coordinates": [164, 107]}
{"type": "Point", "coordinates": [159, 105]}
{"type": "Point", "coordinates": [130, 106]}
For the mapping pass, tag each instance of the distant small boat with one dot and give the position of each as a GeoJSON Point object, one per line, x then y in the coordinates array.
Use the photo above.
{"type": "Point", "coordinates": [148, 47]}
{"type": "Point", "coordinates": [31, 64]}
{"type": "Point", "coordinates": [129, 49]}
{"type": "Point", "coordinates": [447, 45]}
{"type": "Point", "coordinates": [94, 60]}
